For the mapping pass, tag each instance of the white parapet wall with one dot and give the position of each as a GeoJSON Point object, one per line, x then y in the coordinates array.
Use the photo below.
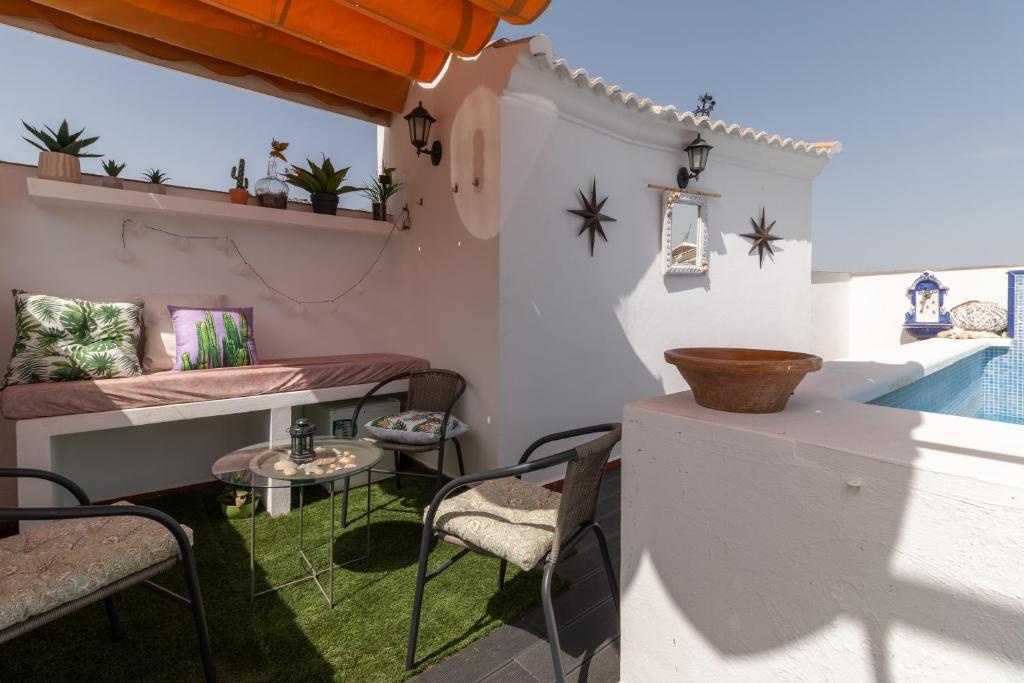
{"type": "Point", "coordinates": [835, 541]}
{"type": "Point", "coordinates": [854, 313]}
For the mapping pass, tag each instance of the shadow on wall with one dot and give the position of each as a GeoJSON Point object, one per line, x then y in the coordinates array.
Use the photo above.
{"type": "Point", "coordinates": [772, 546]}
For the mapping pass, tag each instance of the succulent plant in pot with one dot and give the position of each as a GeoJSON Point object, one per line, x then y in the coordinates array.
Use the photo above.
{"type": "Point", "coordinates": [113, 170]}
{"type": "Point", "coordinates": [239, 194]}
{"type": "Point", "coordinates": [238, 503]}
{"type": "Point", "coordinates": [378, 193]}
{"type": "Point", "coordinates": [156, 179]}
{"type": "Point", "coordinates": [323, 182]}
{"type": "Point", "coordinates": [59, 151]}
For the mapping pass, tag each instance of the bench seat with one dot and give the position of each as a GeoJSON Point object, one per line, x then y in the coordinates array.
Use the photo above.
{"type": "Point", "coordinates": [30, 401]}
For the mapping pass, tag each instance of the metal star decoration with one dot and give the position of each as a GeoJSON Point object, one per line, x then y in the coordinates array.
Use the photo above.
{"type": "Point", "coordinates": [592, 216]}
{"type": "Point", "coordinates": [762, 239]}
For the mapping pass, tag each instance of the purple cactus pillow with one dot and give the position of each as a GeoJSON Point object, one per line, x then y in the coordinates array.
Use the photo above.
{"type": "Point", "coordinates": [212, 338]}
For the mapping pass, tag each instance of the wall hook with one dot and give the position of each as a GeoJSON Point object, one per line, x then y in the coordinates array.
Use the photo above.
{"type": "Point", "coordinates": [476, 182]}
{"type": "Point", "coordinates": [455, 187]}
{"type": "Point", "coordinates": [420, 202]}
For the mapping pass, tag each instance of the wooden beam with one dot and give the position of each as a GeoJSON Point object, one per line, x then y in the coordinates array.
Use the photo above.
{"type": "Point", "coordinates": [673, 188]}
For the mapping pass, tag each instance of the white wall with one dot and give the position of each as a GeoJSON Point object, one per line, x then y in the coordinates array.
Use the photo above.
{"type": "Point", "coordinates": [871, 306]}
{"type": "Point", "coordinates": [72, 253]}
{"type": "Point", "coordinates": [447, 264]}
{"type": "Point", "coordinates": [583, 335]}
{"type": "Point", "coordinates": [835, 541]}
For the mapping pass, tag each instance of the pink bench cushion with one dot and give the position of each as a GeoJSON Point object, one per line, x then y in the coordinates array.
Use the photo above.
{"type": "Point", "coordinates": [27, 401]}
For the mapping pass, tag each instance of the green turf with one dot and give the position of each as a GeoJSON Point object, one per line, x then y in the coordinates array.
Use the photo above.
{"type": "Point", "coordinates": [290, 635]}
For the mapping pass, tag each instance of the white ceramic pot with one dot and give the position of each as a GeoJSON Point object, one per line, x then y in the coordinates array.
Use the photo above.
{"type": "Point", "coordinates": [59, 166]}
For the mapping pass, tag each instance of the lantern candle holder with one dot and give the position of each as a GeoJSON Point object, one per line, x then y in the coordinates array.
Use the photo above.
{"type": "Point", "coordinates": [302, 441]}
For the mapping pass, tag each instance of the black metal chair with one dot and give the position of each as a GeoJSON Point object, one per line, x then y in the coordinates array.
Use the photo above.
{"type": "Point", "coordinates": [429, 391]}
{"type": "Point", "coordinates": [526, 524]}
{"type": "Point", "coordinates": [151, 554]}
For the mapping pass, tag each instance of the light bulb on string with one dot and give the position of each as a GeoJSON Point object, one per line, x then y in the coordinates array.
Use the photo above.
{"type": "Point", "coordinates": [332, 306]}
{"type": "Point", "coordinates": [267, 293]}
{"type": "Point", "coordinates": [181, 244]}
{"type": "Point", "coordinates": [299, 308]}
{"type": "Point", "coordinates": [123, 254]}
{"type": "Point", "coordinates": [241, 269]}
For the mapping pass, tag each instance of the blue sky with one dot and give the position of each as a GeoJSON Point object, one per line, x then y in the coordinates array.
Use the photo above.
{"type": "Point", "coordinates": [926, 97]}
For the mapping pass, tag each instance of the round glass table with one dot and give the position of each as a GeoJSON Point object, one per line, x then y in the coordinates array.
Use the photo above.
{"type": "Point", "coordinates": [269, 467]}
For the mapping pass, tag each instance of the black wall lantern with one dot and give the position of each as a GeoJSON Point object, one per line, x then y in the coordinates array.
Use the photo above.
{"type": "Point", "coordinates": [698, 152]}
{"type": "Point", "coordinates": [302, 440]}
{"type": "Point", "coordinates": [420, 122]}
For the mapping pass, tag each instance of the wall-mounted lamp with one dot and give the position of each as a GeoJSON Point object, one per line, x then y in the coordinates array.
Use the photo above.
{"type": "Point", "coordinates": [420, 122]}
{"type": "Point", "coordinates": [698, 152]}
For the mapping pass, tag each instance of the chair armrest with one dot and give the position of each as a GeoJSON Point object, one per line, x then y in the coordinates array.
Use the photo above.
{"type": "Point", "coordinates": [500, 473]}
{"type": "Point", "coordinates": [88, 511]}
{"type": "Point", "coordinates": [26, 473]}
{"type": "Point", "coordinates": [558, 436]}
{"type": "Point", "coordinates": [371, 392]}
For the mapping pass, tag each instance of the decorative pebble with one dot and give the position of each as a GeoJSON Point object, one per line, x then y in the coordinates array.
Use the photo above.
{"type": "Point", "coordinates": [291, 471]}
{"type": "Point", "coordinates": [282, 465]}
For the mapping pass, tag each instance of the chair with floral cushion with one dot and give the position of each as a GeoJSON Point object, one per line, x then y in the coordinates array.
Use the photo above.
{"type": "Point", "coordinates": [432, 393]}
{"type": "Point", "coordinates": [526, 524]}
{"type": "Point", "coordinates": [85, 554]}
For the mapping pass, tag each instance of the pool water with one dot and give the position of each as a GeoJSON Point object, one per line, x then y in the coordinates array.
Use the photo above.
{"type": "Point", "coordinates": [987, 385]}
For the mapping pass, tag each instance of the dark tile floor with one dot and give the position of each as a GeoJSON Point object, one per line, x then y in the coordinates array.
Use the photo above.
{"type": "Point", "coordinates": [587, 623]}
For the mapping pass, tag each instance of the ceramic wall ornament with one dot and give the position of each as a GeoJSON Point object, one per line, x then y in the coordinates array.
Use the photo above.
{"type": "Point", "coordinates": [762, 238]}
{"type": "Point", "coordinates": [927, 315]}
{"type": "Point", "coordinates": [592, 216]}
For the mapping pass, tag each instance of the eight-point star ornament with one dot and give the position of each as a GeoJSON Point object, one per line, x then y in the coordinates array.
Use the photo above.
{"type": "Point", "coordinates": [592, 216]}
{"type": "Point", "coordinates": [762, 238]}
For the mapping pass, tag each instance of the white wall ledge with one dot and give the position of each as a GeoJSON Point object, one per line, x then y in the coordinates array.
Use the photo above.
{"type": "Point", "coordinates": [92, 197]}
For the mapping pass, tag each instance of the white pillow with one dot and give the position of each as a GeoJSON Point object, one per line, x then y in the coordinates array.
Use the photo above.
{"type": "Point", "coordinates": [159, 335]}
{"type": "Point", "coordinates": [415, 427]}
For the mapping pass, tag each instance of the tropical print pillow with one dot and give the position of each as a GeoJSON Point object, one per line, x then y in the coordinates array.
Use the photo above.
{"type": "Point", "coordinates": [103, 359]}
{"type": "Point", "coordinates": [415, 427]}
{"type": "Point", "coordinates": [212, 338]}
{"type": "Point", "coordinates": [45, 324]}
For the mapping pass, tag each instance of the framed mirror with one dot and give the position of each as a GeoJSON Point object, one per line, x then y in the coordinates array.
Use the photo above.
{"type": "Point", "coordinates": [684, 234]}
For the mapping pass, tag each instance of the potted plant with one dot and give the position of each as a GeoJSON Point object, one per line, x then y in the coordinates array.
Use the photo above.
{"type": "Point", "coordinates": [112, 169]}
{"type": "Point", "coordinates": [59, 152]}
{"type": "Point", "coordinates": [239, 194]}
{"type": "Point", "coordinates": [156, 179]}
{"type": "Point", "coordinates": [323, 183]}
{"type": "Point", "coordinates": [378, 193]}
{"type": "Point", "coordinates": [236, 503]}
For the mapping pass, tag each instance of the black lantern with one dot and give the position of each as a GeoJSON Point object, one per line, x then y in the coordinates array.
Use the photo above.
{"type": "Point", "coordinates": [698, 152]}
{"type": "Point", "coordinates": [302, 440]}
{"type": "Point", "coordinates": [420, 122]}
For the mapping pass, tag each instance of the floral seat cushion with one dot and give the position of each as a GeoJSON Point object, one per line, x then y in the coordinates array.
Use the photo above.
{"type": "Point", "coordinates": [53, 564]}
{"type": "Point", "coordinates": [508, 518]}
{"type": "Point", "coordinates": [415, 427]}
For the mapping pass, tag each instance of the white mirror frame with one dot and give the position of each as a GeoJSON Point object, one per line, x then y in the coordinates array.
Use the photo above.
{"type": "Point", "coordinates": [670, 198]}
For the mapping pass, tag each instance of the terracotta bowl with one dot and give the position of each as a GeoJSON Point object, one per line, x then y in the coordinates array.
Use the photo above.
{"type": "Point", "coordinates": [742, 380]}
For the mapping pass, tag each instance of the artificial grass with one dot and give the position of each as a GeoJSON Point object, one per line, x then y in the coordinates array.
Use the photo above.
{"type": "Point", "coordinates": [290, 635]}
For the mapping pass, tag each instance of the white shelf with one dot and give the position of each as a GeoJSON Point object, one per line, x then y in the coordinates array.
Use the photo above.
{"type": "Point", "coordinates": [74, 195]}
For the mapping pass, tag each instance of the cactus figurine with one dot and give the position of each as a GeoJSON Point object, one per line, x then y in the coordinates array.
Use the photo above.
{"type": "Point", "coordinates": [239, 194]}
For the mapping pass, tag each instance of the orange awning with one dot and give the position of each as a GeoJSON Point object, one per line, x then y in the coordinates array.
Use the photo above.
{"type": "Point", "coordinates": [357, 57]}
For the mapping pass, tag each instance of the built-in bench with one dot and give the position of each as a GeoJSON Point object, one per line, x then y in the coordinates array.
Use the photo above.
{"type": "Point", "coordinates": [47, 410]}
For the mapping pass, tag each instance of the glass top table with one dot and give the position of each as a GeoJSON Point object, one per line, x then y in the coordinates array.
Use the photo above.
{"type": "Point", "coordinates": [265, 466]}
{"type": "Point", "coordinates": [268, 466]}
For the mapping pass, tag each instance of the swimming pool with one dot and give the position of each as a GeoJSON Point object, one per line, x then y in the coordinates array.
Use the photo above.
{"type": "Point", "coordinates": [988, 385]}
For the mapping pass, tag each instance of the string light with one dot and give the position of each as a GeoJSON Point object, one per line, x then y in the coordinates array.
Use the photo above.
{"type": "Point", "coordinates": [244, 268]}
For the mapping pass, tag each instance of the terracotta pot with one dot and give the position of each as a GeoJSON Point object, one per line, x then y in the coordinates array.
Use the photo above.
{"type": "Point", "coordinates": [59, 166]}
{"type": "Point", "coordinates": [238, 195]}
{"type": "Point", "coordinates": [156, 188]}
{"type": "Point", "coordinates": [742, 380]}
{"type": "Point", "coordinates": [112, 182]}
